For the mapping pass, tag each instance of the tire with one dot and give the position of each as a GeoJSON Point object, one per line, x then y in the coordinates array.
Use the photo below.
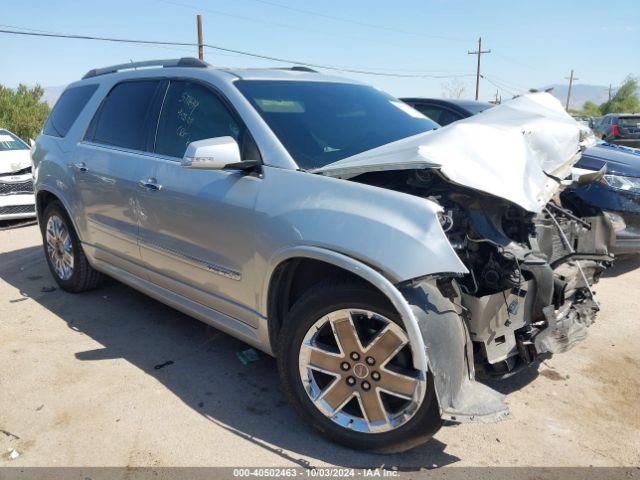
{"type": "Point", "coordinates": [303, 318]}
{"type": "Point", "coordinates": [81, 276]}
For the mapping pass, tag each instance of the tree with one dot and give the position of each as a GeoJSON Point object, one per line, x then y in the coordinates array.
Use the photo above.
{"type": "Point", "coordinates": [22, 110]}
{"type": "Point", "coordinates": [591, 109]}
{"type": "Point", "coordinates": [625, 100]}
{"type": "Point", "coordinates": [453, 89]}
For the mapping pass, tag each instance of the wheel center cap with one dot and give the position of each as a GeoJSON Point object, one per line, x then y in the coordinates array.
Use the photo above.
{"type": "Point", "coordinates": [360, 370]}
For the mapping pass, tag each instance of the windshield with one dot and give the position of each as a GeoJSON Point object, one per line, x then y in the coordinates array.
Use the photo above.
{"type": "Point", "coordinates": [8, 141]}
{"type": "Point", "coordinates": [321, 122]}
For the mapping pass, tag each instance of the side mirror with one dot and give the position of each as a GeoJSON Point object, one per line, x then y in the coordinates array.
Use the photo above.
{"type": "Point", "coordinates": [212, 154]}
{"type": "Point", "coordinates": [32, 142]}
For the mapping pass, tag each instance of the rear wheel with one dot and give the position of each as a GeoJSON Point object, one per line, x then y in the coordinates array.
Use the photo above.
{"type": "Point", "coordinates": [63, 251]}
{"type": "Point", "coordinates": [345, 363]}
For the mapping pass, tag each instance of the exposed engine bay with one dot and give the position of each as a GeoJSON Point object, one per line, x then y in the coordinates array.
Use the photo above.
{"type": "Point", "coordinates": [529, 290]}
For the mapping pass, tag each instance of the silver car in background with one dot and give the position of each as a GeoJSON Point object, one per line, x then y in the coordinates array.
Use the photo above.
{"type": "Point", "coordinates": [382, 262]}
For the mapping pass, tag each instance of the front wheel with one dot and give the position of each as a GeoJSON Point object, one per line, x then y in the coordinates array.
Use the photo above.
{"type": "Point", "coordinates": [345, 363]}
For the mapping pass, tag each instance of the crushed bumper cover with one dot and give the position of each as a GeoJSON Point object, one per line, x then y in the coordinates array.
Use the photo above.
{"type": "Point", "coordinates": [450, 356]}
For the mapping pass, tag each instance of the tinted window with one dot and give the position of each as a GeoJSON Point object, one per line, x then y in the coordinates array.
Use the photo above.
{"type": "Point", "coordinates": [322, 122]}
{"type": "Point", "coordinates": [192, 112]}
{"type": "Point", "coordinates": [443, 116]}
{"type": "Point", "coordinates": [126, 114]}
{"type": "Point", "coordinates": [67, 109]}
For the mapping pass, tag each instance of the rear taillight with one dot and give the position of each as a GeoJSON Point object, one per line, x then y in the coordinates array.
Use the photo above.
{"type": "Point", "coordinates": [614, 130]}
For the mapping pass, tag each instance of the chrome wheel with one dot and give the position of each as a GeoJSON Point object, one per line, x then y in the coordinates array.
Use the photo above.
{"type": "Point", "coordinates": [59, 247]}
{"type": "Point", "coordinates": [356, 368]}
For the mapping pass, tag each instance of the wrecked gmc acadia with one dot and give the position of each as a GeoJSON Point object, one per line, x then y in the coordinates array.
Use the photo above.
{"type": "Point", "coordinates": [382, 261]}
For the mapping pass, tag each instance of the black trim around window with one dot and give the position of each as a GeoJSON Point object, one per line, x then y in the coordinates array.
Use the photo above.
{"type": "Point", "coordinates": [156, 110]}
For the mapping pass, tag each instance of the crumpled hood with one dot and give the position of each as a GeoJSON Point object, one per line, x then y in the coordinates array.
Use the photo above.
{"type": "Point", "coordinates": [14, 160]}
{"type": "Point", "coordinates": [510, 151]}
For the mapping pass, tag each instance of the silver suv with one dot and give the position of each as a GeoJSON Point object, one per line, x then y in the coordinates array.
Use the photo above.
{"type": "Point", "coordinates": [381, 260]}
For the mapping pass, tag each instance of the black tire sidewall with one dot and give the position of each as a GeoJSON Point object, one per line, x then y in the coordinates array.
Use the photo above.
{"type": "Point", "coordinates": [320, 301]}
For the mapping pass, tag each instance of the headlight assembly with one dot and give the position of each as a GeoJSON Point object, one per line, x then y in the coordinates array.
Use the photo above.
{"type": "Point", "coordinates": [628, 184]}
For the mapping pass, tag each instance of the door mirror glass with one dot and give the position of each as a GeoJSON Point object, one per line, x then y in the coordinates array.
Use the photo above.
{"type": "Point", "coordinates": [212, 154]}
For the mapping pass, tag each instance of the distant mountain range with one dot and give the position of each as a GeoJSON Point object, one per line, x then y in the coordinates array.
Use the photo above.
{"type": "Point", "coordinates": [580, 93]}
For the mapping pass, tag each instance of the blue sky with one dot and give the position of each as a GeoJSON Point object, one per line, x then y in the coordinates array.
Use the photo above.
{"type": "Point", "coordinates": [533, 43]}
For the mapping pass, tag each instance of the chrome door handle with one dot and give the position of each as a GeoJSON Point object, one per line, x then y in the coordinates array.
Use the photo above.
{"type": "Point", "coordinates": [81, 166]}
{"type": "Point", "coordinates": [150, 184]}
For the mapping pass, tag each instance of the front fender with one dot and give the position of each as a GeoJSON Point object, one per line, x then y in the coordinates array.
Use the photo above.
{"type": "Point", "coordinates": [395, 233]}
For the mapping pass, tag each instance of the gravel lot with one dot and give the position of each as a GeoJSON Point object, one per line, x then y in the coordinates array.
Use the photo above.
{"type": "Point", "coordinates": [81, 384]}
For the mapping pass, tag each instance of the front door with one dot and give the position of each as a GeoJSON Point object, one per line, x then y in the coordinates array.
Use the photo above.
{"type": "Point", "coordinates": [197, 234]}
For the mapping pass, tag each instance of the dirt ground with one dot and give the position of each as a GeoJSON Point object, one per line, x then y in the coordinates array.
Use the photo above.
{"type": "Point", "coordinates": [113, 378]}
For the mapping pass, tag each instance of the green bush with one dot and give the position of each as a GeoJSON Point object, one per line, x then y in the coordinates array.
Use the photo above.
{"type": "Point", "coordinates": [22, 110]}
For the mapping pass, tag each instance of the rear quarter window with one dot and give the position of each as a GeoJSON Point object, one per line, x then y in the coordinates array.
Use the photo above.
{"type": "Point", "coordinates": [67, 109]}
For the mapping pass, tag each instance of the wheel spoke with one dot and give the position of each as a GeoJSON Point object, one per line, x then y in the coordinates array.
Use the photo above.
{"type": "Point", "coordinates": [323, 361]}
{"type": "Point", "coordinates": [397, 384]}
{"type": "Point", "coordinates": [372, 407]}
{"type": "Point", "coordinates": [385, 345]}
{"type": "Point", "coordinates": [345, 333]}
{"type": "Point", "coordinates": [67, 258]}
{"type": "Point", "coordinates": [337, 394]}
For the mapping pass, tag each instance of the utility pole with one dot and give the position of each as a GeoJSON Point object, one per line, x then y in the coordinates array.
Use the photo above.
{"type": "Point", "coordinates": [571, 79]}
{"type": "Point", "coordinates": [479, 52]}
{"type": "Point", "coordinates": [200, 45]}
{"type": "Point", "coordinates": [609, 92]}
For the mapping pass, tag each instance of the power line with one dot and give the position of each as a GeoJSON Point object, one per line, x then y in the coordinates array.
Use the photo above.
{"type": "Point", "coordinates": [504, 84]}
{"type": "Point", "coordinates": [356, 22]}
{"type": "Point", "coordinates": [241, 17]}
{"type": "Point", "coordinates": [230, 50]}
{"type": "Point", "coordinates": [501, 87]}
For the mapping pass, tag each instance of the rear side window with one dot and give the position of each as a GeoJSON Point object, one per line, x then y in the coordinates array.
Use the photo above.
{"type": "Point", "coordinates": [192, 112]}
{"type": "Point", "coordinates": [125, 116]}
{"type": "Point", "coordinates": [67, 109]}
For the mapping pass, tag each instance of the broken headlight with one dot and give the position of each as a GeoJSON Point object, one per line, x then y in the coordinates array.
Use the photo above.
{"type": "Point", "coordinates": [628, 184]}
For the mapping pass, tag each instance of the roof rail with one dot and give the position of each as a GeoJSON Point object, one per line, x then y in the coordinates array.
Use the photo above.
{"type": "Point", "coordinates": [174, 62]}
{"type": "Point", "coordinates": [298, 68]}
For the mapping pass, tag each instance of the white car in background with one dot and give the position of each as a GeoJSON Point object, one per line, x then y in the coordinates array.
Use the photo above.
{"type": "Point", "coordinates": [16, 182]}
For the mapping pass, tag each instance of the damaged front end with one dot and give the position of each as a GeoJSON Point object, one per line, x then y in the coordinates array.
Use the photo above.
{"type": "Point", "coordinates": [503, 181]}
{"type": "Point", "coordinates": [529, 288]}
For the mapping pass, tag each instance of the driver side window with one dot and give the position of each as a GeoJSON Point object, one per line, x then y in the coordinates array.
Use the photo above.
{"type": "Point", "coordinates": [192, 112]}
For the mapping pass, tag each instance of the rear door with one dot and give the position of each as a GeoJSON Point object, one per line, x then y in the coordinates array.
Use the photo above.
{"type": "Point", "coordinates": [110, 165]}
